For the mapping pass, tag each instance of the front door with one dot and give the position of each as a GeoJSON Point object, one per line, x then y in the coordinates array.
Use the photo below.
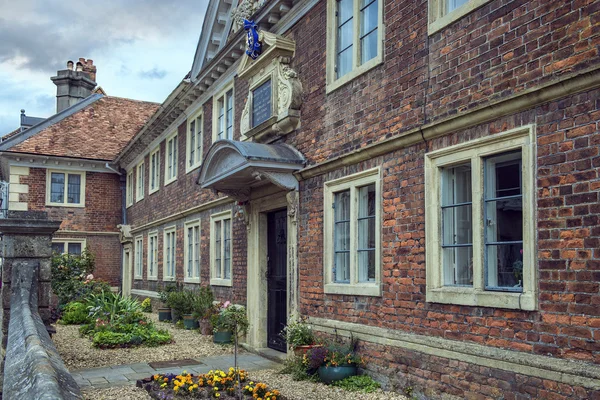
{"type": "Point", "coordinates": [276, 278]}
{"type": "Point", "coordinates": [126, 282]}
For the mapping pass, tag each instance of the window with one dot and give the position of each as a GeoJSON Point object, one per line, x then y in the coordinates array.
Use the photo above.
{"type": "Point", "coordinates": [194, 143]}
{"type": "Point", "coordinates": [153, 256]}
{"type": "Point", "coordinates": [70, 246]}
{"type": "Point", "coordinates": [169, 256]}
{"type": "Point", "coordinates": [223, 115]}
{"type": "Point", "coordinates": [489, 263]}
{"type": "Point", "coordinates": [192, 251]}
{"type": "Point", "coordinates": [139, 194]}
{"type": "Point", "coordinates": [444, 12]}
{"type": "Point", "coordinates": [129, 188]}
{"type": "Point", "coordinates": [354, 40]}
{"type": "Point", "coordinates": [220, 249]}
{"type": "Point", "coordinates": [352, 212]}
{"type": "Point", "coordinates": [154, 171]}
{"type": "Point", "coordinates": [139, 257]}
{"type": "Point", "coordinates": [171, 159]}
{"type": "Point", "coordinates": [65, 189]}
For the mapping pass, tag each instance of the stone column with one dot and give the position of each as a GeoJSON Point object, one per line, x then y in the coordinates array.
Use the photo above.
{"type": "Point", "coordinates": [26, 245]}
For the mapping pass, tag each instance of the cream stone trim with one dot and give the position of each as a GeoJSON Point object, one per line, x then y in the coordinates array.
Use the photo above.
{"type": "Point", "coordinates": [19, 188]}
{"type": "Point", "coordinates": [65, 241]}
{"type": "Point", "coordinates": [351, 182]}
{"type": "Point", "coordinates": [149, 276]}
{"type": "Point", "coordinates": [439, 17]}
{"type": "Point", "coordinates": [145, 293]}
{"type": "Point", "coordinates": [173, 217]}
{"type": "Point", "coordinates": [522, 138]}
{"type": "Point", "coordinates": [129, 188]}
{"type": "Point", "coordinates": [334, 83]}
{"type": "Point", "coordinates": [140, 186]}
{"type": "Point", "coordinates": [165, 277]}
{"type": "Point", "coordinates": [222, 94]}
{"type": "Point", "coordinates": [527, 99]}
{"type": "Point", "coordinates": [171, 138]}
{"type": "Point", "coordinates": [156, 187]}
{"type": "Point", "coordinates": [87, 233]}
{"type": "Point", "coordinates": [82, 175]}
{"type": "Point", "coordinates": [572, 372]}
{"type": "Point", "coordinates": [187, 278]}
{"type": "Point", "coordinates": [138, 245]}
{"type": "Point", "coordinates": [17, 206]}
{"type": "Point", "coordinates": [214, 281]}
{"type": "Point", "coordinates": [188, 149]}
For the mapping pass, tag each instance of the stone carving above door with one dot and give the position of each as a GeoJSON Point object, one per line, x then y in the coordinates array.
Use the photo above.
{"type": "Point", "coordinates": [243, 11]}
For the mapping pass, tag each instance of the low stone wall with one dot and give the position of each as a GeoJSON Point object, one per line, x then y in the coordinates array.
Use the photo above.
{"type": "Point", "coordinates": [33, 368]}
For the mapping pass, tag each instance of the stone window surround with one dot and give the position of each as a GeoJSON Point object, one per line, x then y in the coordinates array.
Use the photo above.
{"type": "Point", "coordinates": [139, 182]}
{"type": "Point", "coordinates": [197, 117]}
{"type": "Point", "coordinates": [129, 188]}
{"type": "Point", "coordinates": [334, 83]}
{"type": "Point", "coordinates": [168, 278]}
{"type": "Point", "coordinates": [190, 225]}
{"type": "Point", "coordinates": [171, 138]}
{"type": "Point", "coordinates": [370, 176]}
{"type": "Point", "coordinates": [154, 153]}
{"type": "Point", "coordinates": [152, 277]}
{"type": "Point", "coordinates": [221, 216]}
{"type": "Point", "coordinates": [138, 257]}
{"type": "Point", "coordinates": [439, 18]}
{"type": "Point", "coordinates": [222, 94]}
{"type": "Point", "coordinates": [82, 175]}
{"type": "Point", "coordinates": [520, 138]}
{"type": "Point", "coordinates": [66, 241]}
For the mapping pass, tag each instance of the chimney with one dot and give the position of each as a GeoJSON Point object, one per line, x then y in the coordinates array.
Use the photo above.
{"type": "Point", "coordinates": [72, 86]}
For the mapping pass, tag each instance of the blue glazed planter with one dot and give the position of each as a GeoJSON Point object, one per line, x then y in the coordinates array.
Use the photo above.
{"type": "Point", "coordinates": [333, 374]}
{"type": "Point", "coordinates": [189, 322]}
{"type": "Point", "coordinates": [222, 337]}
{"type": "Point", "coordinates": [164, 314]}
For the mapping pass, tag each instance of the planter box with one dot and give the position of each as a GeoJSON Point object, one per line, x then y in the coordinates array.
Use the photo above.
{"type": "Point", "coordinates": [222, 337]}
{"type": "Point", "coordinates": [302, 350]}
{"type": "Point", "coordinates": [189, 322]}
{"type": "Point", "coordinates": [333, 374]}
{"type": "Point", "coordinates": [164, 314]}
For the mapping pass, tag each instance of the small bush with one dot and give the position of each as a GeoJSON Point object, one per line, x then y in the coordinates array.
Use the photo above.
{"type": "Point", "coordinates": [358, 383]}
{"type": "Point", "coordinates": [75, 313]}
{"type": "Point", "coordinates": [296, 367]}
{"type": "Point", "coordinates": [70, 275]}
{"type": "Point", "coordinates": [147, 305]}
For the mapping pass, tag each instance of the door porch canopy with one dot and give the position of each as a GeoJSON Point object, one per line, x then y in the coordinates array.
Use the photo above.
{"type": "Point", "coordinates": [234, 168]}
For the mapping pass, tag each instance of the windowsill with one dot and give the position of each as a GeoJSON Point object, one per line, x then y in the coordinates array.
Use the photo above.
{"type": "Point", "coordinates": [128, 205]}
{"type": "Point", "coordinates": [220, 282]}
{"type": "Point", "coordinates": [191, 280]}
{"type": "Point", "coordinates": [359, 289]}
{"type": "Point", "coordinates": [140, 199]}
{"type": "Point", "coordinates": [68, 205]}
{"type": "Point", "coordinates": [152, 278]}
{"type": "Point", "coordinates": [168, 182]}
{"type": "Point", "coordinates": [468, 296]}
{"type": "Point", "coordinates": [151, 191]}
{"type": "Point", "coordinates": [193, 167]}
{"type": "Point", "coordinates": [454, 16]}
{"type": "Point", "coordinates": [138, 278]}
{"type": "Point", "coordinates": [168, 279]}
{"type": "Point", "coordinates": [366, 67]}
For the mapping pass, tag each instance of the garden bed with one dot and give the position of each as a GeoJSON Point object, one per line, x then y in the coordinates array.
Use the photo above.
{"type": "Point", "coordinates": [77, 352]}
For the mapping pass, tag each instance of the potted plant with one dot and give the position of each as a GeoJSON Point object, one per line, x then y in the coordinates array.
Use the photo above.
{"type": "Point", "coordinates": [189, 298]}
{"type": "Point", "coordinates": [180, 303]}
{"type": "Point", "coordinates": [164, 312]}
{"type": "Point", "coordinates": [298, 335]}
{"type": "Point", "coordinates": [203, 309]}
{"type": "Point", "coordinates": [230, 322]}
{"type": "Point", "coordinates": [334, 362]}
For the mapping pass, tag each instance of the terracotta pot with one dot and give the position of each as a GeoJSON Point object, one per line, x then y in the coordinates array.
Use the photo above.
{"type": "Point", "coordinates": [302, 350]}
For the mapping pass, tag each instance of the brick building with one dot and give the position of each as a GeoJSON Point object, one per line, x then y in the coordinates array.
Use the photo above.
{"type": "Point", "coordinates": [63, 165]}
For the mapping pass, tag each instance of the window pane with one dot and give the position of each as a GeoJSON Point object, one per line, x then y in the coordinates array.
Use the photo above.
{"type": "Point", "coordinates": [457, 225]}
{"type": "Point", "coordinates": [366, 233]}
{"type": "Point", "coordinates": [342, 267]}
{"type": "Point", "coordinates": [229, 115]}
{"type": "Point", "coordinates": [344, 62]}
{"type": "Point", "coordinates": [218, 270]}
{"type": "Point", "coordinates": [458, 266]}
{"type": "Point", "coordinates": [198, 139]}
{"type": "Point", "coordinates": [227, 251]}
{"type": "Point", "coordinates": [366, 266]}
{"type": "Point", "coordinates": [57, 187]}
{"type": "Point", "coordinates": [345, 10]}
{"type": "Point", "coordinates": [507, 261]}
{"type": "Point", "coordinates": [368, 46]}
{"type": "Point", "coordinates": [197, 251]}
{"type": "Point", "coordinates": [58, 247]}
{"type": "Point", "coordinates": [153, 173]}
{"type": "Point", "coordinates": [74, 248]}
{"type": "Point", "coordinates": [368, 17]}
{"type": "Point", "coordinates": [74, 189]}
{"type": "Point", "coordinates": [342, 236]}
{"type": "Point", "coordinates": [454, 4]}
{"type": "Point", "coordinates": [190, 250]}
{"type": "Point", "coordinates": [192, 142]}
{"type": "Point", "coordinates": [221, 121]}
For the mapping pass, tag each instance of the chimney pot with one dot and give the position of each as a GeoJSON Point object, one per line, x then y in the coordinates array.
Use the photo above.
{"type": "Point", "coordinates": [70, 65]}
{"type": "Point", "coordinates": [74, 86]}
{"type": "Point", "coordinates": [79, 67]}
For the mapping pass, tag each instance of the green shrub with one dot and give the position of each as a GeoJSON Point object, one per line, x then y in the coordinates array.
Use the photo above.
{"type": "Point", "coordinates": [295, 367]}
{"type": "Point", "coordinates": [109, 306]}
{"type": "Point", "coordinates": [358, 383]}
{"type": "Point", "coordinates": [75, 313]}
{"type": "Point", "coordinates": [147, 305]}
{"type": "Point", "coordinates": [71, 276]}
{"type": "Point", "coordinates": [203, 303]}
{"type": "Point", "coordinates": [181, 302]}
{"type": "Point", "coordinates": [125, 332]}
{"type": "Point", "coordinates": [298, 333]}
{"type": "Point", "coordinates": [163, 294]}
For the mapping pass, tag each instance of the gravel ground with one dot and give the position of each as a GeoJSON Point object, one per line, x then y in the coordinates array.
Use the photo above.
{"type": "Point", "coordinates": [293, 390]}
{"type": "Point", "coordinates": [77, 352]}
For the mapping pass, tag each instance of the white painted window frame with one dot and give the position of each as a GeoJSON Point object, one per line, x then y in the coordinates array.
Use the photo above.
{"type": "Point", "coordinates": [439, 17]}
{"type": "Point", "coordinates": [139, 182]}
{"type": "Point", "coordinates": [156, 176]}
{"type": "Point", "coordinates": [333, 82]}
{"type": "Point", "coordinates": [152, 263]}
{"type": "Point", "coordinates": [223, 95]}
{"type": "Point", "coordinates": [214, 280]}
{"type": "Point", "coordinates": [138, 258]}
{"type": "Point", "coordinates": [66, 241]}
{"type": "Point", "coordinates": [351, 182]}
{"type": "Point", "coordinates": [82, 176]}
{"type": "Point", "coordinates": [174, 161]}
{"type": "Point", "coordinates": [129, 183]}
{"type": "Point", "coordinates": [522, 138]}
{"type": "Point", "coordinates": [173, 257]}
{"type": "Point", "coordinates": [198, 119]}
{"type": "Point", "coordinates": [196, 250]}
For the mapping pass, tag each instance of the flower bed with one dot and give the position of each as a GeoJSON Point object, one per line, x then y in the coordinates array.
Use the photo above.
{"type": "Point", "coordinates": [213, 385]}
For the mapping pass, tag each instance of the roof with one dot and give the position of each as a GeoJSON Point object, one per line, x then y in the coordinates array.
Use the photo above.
{"type": "Point", "coordinates": [10, 134]}
{"type": "Point", "coordinates": [27, 121]}
{"type": "Point", "coordinates": [95, 128]}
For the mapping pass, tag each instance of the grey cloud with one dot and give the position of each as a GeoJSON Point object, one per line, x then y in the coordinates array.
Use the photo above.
{"type": "Point", "coordinates": [153, 73]}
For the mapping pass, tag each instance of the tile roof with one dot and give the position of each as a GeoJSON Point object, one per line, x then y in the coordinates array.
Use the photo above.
{"type": "Point", "coordinates": [10, 134]}
{"type": "Point", "coordinates": [99, 131]}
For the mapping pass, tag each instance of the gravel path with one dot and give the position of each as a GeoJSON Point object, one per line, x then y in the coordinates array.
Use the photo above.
{"type": "Point", "coordinates": [116, 393]}
{"type": "Point", "coordinates": [77, 352]}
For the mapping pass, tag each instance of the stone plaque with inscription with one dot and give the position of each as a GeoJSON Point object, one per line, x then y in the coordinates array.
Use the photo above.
{"type": "Point", "coordinates": [261, 103]}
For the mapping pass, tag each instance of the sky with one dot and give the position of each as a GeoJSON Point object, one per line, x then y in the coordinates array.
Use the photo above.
{"type": "Point", "coordinates": [141, 48]}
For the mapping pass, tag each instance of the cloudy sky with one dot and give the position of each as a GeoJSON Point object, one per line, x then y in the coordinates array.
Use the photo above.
{"type": "Point", "coordinates": [142, 48]}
